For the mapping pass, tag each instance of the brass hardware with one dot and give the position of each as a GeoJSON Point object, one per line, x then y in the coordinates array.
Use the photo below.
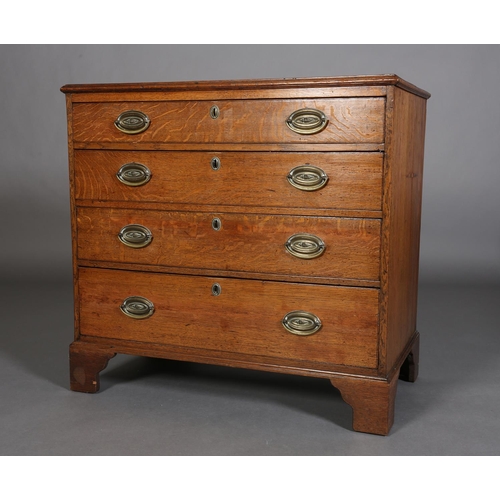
{"type": "Point", "coordinates": [307, 121]}
{"type": "Point", "coordinates": [135, 236]}
{"type": "Point", "coordinates": [307, 177]}
{"type": "Point", "coordinates": [132, 122]}
{"type": "Point", "coordinates": [214, 112]}
{"type": "Point", "coordinates": [216, 224]}
{"type": "Point", "coordinates": [134, 174]}
{"type": "Point", "coordinates": [215, 163]}
{"type": "Point", "coordinates": [216, 289]}
{"type": "Point", "coordinates": [137, 307]}
{"type": "Point", "coordinates": [305, 246]}
{"type": "Point", "coordinates": [301, 323]}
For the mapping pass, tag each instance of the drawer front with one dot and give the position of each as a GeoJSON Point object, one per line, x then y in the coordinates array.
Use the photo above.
{"type": "Point", "coordinates": [351, 120]}
{"type": "Point", "coordinates": [245, 317]}
{"type": "Point", "coordinates": [234, 242]}
{"type": "Point", "coordinates": [353, 180]}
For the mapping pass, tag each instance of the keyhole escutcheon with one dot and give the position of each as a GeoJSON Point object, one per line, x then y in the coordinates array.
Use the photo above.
{"type": "Point", "coordinates": [216, 224]}
{"type": "Point", "coordinates": [214, 112]}
{"type": "Point", "coordinates": [215, 163]}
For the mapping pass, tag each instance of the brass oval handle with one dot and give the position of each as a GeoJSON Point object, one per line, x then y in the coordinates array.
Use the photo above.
{"type": "Point", "coordinates": [132, 122]}
{"type": "Point", "coordinates": [305, 246]}
{"type": "Point", "coordinates": [134, 174]}
{"type": "Point", "coordinates": [307, 177]}
{"type": "Point", "coordinates": [135, 236]}
{"type": "Point", "coordinates": [137, 307]}
{"type": "Point", "coordinates": [301, 323]}
{"type": "Point", "coordinates": [307, 121]}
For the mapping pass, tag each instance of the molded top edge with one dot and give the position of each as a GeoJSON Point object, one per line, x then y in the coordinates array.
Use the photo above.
{"type": "Point", "coordinates": [341, 81]}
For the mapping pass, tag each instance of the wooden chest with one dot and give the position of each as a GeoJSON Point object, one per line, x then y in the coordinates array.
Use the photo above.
{"type": "Point", "coordinates": [263, 224]}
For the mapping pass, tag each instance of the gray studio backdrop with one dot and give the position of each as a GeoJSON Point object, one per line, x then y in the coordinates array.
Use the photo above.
{"type": "Point", "coordinates": [461, 200]}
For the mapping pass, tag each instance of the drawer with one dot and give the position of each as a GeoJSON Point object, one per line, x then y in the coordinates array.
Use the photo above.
{"type": "Point", "coordinates": [345, 120]}
{"type": "Point", "coordinates": [245, 317]}
{"type": "Point", "coordinates": [289, 180]}
{"type": "Point", "coordinates": [233, 242]}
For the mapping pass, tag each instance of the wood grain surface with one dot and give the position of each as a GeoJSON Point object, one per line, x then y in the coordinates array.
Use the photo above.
{"type": "Point", "coordinates": [228, 93]}
{"type": "Point", "coordinates": [403, 171]}
{"type": "Point", "coordinates": [229, 146]}
{"type": "Point", "coordinates": [245, 318]}
{"type": "Point", "coordinates": [351, 120]}
{"type": "Point", "coordinates": [198, 207]}
{"type": "Point", "coordinates": [245, 242]}
{"type": "Point", "coordinates": [344, 83]}
{"type": "Point", "coordinates": [243, 179]}
{"type": "Point", "coordinates": [72, 201]}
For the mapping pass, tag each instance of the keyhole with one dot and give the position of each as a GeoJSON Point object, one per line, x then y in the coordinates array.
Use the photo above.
{"type": "Point", "coordinates": [215, 162]}
{"type": "Point", "coordinates": [214, 112]}
{"type": "Point", "coordinates": [216, 224]}
{"type": "Point", "coordinates": [216, 289]}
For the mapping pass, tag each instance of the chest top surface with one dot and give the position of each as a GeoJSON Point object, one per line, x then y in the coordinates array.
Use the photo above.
{"type": "Point", "coordinates": [250, 84]}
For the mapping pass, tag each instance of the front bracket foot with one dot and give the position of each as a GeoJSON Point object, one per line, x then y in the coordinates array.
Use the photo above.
{"type": "Point", "coordinates": [372, 402]}
{"type": "Point", "coordinates": [86, 362]}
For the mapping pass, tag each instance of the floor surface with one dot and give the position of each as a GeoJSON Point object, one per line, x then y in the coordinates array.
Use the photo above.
{"type": "Point", "coordinates": [159, 407]}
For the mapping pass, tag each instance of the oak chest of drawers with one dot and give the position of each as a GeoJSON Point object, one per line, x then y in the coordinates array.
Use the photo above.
{"type": "Point", "coordinates": [264, 224]}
